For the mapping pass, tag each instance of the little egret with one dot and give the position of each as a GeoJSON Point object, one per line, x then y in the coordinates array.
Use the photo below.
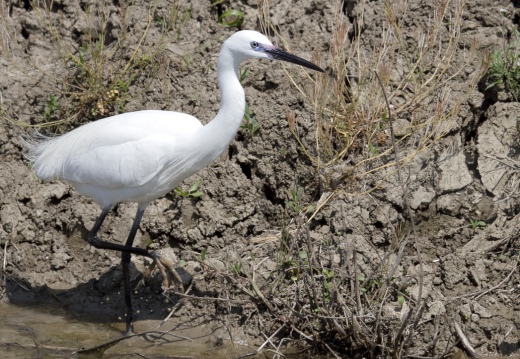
{"type": "Point", "coordinates": [140, 156]}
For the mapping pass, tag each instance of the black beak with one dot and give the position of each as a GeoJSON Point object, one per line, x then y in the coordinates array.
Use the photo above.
{"type": "Point", "coordinates": [279, 54]}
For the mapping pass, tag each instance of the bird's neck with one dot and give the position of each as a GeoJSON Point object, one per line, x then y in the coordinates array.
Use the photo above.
{"type": "Point", "coordinates": [218, 134]}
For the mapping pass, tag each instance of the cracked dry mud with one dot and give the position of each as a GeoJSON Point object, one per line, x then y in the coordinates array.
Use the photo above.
{"type": "Point", "coordinates": [470, 275]}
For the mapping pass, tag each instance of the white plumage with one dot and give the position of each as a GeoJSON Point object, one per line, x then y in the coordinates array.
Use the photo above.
{"type": "Point", "coordinates": [132, 157]}
{"type": "Point", "coordinates": [140, 156]}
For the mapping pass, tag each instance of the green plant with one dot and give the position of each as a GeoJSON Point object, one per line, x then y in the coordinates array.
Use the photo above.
{"type": "Point", "coordinates": [230, 17]}
{"type": "Point", "coordinates": [292, 265]}
{"type": "Point", "coordinates": [295, 202]}
{"type": "Point", "coordinates": [329, 274]}
{"type": "Point", "coordinates": [477, 224]}
{"type": "Point", "coordinates": [250, 125]}
{"type": "Point", "coordinates": [51, 106]}
{"type": "Point", "coordinates": [361, 280]}
{"type": "Point", "coordinates": [328, 285]}
{"type": "Point", "coordinates": [372, 149]}
{"type": "Point", "coordinates": [203, 254]}
{"type": "Point", "coordinates": [368, 286]}
{"type": "Point", "coordinates": [236, 268]}
{"type": "Point", "coordinates": [504, 68]}
{"type": "Point", "coordinates": [303, 255]}
{"type": "Point", "coordinates": [159, 21]}
{"type": "Point", "coordinates": [287, 259]}
{"type": "Point", "coordinates": [193, 191]}
{"type": "Point", "coordinates": [243, 74]}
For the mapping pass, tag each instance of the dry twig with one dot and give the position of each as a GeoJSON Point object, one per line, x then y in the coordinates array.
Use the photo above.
{"type": "Point", "coordinates": [465, 342]}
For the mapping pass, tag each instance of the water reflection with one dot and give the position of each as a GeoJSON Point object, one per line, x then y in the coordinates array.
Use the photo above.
{"type": "Point", "coordinates": [48, 332]}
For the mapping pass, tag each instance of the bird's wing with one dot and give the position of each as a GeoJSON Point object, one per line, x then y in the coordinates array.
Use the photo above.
{"type": "Point", "coordinates": [128, 164]}
{"type": "Point", "coordinates": [125, 150]}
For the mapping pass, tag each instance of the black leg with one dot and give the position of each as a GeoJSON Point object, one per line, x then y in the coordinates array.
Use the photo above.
{"type": "Point", "coordinates": [93, 239]}
{"type": "Point", "coordinates": [127, 250]}
{"type": "Point", "coordinates": [125, 262]}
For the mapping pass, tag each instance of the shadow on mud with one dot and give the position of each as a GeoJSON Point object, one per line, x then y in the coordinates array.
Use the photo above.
{"type": "Point", "coordinates": [60, 323]}
{"type": "Point", "coordinates": [98, 300]}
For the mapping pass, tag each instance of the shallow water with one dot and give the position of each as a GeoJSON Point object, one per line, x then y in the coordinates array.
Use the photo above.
{"type": "Point", "coordinates": [48, 332]}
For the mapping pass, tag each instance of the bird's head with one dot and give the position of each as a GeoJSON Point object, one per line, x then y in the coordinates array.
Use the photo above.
{"type": "Point", "coordinates": [247, 44]}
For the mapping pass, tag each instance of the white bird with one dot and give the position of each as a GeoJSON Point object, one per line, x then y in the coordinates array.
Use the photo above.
{"type": "Point", "coordinates": [140, 156]}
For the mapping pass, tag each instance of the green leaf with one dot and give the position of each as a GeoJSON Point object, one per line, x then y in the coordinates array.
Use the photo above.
{"type": "Point", "coordinates": [194, 187]}
{"type": "Point", "coordinates": [400, 299]}
{"type": "Point", "coordinates": [203, 254]}
{"type": "Point", "coordinates": [180, 192]}
{"type": "Point", "coordinates": [237, 18]}
{"type": "Point", "coordinates": [196, 194]}
{"type": "Point", "coordinates": [243, 76]}
{"type": "Point", "coordinates": [372, 149]}
{"type": "Point", "coordinates": [236, 268]}
{"type": "Point", "coordinates": [328, 273]}
{"type": "Point", "coordinates": [303, 255]}
{"type": "Point", "coordinates": [218, 2]}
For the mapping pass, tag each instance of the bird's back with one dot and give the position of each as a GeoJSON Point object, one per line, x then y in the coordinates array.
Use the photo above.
{"type": "Point", "coordinates": [115, 155]}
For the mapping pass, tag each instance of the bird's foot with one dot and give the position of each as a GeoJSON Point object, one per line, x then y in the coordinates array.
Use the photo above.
{"type": "Point", "coordinates": [167, 271]}
{"type": "Point", "coordinates": [129, 329]}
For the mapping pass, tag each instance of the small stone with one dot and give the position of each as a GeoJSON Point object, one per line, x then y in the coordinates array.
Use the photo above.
{"type": "Point", "coordinates": [186, 277]}
{"type": "Point", "coordinates": [465, 311]}
{"type": "Point", "coordinates": [437, 308]}
{"type": "Point", "coordinates": [481, 311]}
{"type": "Point", "coordinates": [454, 173]}
{"type": "Point", "coordinates": [215, 264]}
{"type": "Point", "coordinates": [421, 198]}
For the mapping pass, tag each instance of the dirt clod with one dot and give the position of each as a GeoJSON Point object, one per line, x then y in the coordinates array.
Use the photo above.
{"type": "Point", "coordinates": [277, 246]}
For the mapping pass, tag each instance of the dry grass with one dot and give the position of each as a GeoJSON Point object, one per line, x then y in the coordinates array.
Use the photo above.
{"type": "Point", "coordinates": [94, 80]}
{"type": "Point", "coordinates": [340, 305]}
{"type": "Point", "coordinates": [417, 69]}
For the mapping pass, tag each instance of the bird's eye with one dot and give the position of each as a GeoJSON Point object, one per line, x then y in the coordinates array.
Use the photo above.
{"type": "Point", "coordinates": [254, 44]}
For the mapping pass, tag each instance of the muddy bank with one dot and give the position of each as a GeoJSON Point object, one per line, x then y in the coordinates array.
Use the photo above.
{"type": "Point", "coordinates": [249, 227]}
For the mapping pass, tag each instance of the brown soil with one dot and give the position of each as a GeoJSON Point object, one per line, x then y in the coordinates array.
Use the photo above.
{"type": "Point", "coordinates": [470, 275]}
